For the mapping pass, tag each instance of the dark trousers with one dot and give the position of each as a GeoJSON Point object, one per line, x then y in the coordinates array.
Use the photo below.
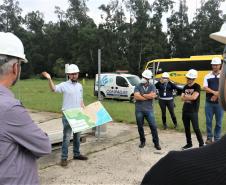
{"type": "Point", "coordinates": [170, 105]}
{"type": "Point", "coordinates": [193, 118]}
{"type": "Point", "coordinates": [149, 115]}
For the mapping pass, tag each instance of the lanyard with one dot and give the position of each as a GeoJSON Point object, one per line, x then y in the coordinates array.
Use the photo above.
{"type": "Point", "coordinates": [165, 86]}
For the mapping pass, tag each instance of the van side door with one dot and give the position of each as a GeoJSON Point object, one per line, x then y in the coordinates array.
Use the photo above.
{"type": "Point", "coordinates": [121, 88]}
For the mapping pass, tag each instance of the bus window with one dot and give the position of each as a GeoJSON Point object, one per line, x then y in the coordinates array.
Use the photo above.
{"type": "Point", "coordinates": [174, 66]}
{"type": "Point", "coordinates": [201, 65]}
{"type": "Point", "coordinates": [151, 65]}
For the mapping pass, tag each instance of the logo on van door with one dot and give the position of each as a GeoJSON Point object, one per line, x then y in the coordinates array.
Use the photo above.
{"type": "Point", "coordinates": [105, 80]}
{"type": "Point", "coordinates": [116, 92]}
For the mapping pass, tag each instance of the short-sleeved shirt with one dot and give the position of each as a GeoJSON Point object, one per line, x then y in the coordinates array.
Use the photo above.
{"type": "Point", "coordinates": [145, 105]}
{"type": "Point", "coordinates": [211, 81]}
{"type": "Point", "coordinates": [72, 94]}
{"type": "Point", "coordinates": [191, 106]}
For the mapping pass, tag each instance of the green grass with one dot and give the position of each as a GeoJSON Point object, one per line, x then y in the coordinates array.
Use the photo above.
{"type": "Point", "coordinates": [35, 94]}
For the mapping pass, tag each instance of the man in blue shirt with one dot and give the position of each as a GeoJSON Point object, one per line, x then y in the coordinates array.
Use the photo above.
{"type": "Point", "coordinates": [144, 94]}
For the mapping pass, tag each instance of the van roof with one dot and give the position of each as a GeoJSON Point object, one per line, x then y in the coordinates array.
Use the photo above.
{"type": "Point", "coordinates": [125, 75]}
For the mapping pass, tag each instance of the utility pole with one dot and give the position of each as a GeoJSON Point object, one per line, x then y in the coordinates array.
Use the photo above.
{"type": "Point", "coordinates": [99, 83]}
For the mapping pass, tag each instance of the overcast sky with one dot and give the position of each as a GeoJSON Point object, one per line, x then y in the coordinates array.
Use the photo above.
{"type": "Point", "coordinates": [47, 7]}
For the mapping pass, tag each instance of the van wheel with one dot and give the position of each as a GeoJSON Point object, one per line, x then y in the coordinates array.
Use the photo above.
{"type": "Point", "coordinates": [101, 96]}
{"type": "Point", "coordinates": [132, 100]}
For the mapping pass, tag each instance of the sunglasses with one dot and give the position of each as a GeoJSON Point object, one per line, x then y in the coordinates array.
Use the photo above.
{"type": "Point", "coordinates": [190, 79]}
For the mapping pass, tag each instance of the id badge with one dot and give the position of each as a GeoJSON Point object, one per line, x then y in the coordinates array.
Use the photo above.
{"type": "Point", "coordinates": [164, 94]}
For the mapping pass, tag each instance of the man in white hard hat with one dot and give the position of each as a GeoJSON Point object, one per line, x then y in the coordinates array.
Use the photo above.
{"type": "Point", "coordinates": [165, 90]}
{"type": "Point", "coordinates": [21, 141]}
{"type": "Point", "coordinates": [144, 94]}
{"type": "Point", "coordinates": [204, 165]}
{"type": "Point", "coordinates": [212, 106]}
{"type": "Point", "coordinates": [73, 98]}
{"type": "Point", "coordinates": [191, 98]}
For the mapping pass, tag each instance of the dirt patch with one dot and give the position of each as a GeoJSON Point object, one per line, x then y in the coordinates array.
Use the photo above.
{"type": "Point", "coordinates": [124, 163]}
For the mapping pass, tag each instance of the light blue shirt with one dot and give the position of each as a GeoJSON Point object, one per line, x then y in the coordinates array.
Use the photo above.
{"type": "Point", "coordinates": [72, 94]}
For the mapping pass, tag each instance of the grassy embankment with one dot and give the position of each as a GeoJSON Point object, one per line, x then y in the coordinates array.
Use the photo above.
{"type": "Point", "coordinates": [35, 94]}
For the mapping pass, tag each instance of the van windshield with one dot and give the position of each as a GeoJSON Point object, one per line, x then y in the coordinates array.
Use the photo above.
{"type": "Point", "coordinates": [133, 80]}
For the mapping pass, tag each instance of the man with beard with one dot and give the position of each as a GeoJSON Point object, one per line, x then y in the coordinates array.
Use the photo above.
{"type": "Point", "coordinates": [73, 98]}
{"type": "Point", "coordinates": [144, 94]}
{"type": "Point", "coordinates": [21, 141]}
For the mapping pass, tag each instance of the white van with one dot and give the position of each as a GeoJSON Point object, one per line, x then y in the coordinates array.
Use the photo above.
{"type": "Point", "coordinates": [117, 86]}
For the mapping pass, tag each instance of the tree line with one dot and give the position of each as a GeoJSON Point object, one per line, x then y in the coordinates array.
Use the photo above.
{"type": "Point", "coordinates": [125, 45]}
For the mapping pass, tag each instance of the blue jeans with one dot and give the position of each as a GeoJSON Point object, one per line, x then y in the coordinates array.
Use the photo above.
{"type": "Point", "coordinates": [66, 140]}
{"type": "Point", "coordinates": [149, 115]}
{"type": "Point", "coordinates": [212, 109]}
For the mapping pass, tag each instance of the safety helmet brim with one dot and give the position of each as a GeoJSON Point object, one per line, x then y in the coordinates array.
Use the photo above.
{"type": "Point", "coordinates": [219, 36]}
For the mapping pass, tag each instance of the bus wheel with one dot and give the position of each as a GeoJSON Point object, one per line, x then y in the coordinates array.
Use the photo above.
{"type": "Point", "coordinates": [132, 100]}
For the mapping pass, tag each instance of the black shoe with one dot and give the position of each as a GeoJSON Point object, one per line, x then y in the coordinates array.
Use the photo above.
{"type": "Point", "coordinates": [165, 126]}
{"type": "Point", "coordinates": [80, 157]}
{"type": "Point", "coordinates": [158, 147]}
{"type": "Point", "coordinates": [201, 145]}
{"type": "Point", "coordinates": [186, 146]}
{"type": "Point", "coordinates": [141, 145]}
{"type": "Point", "coordinates": [63, 162]}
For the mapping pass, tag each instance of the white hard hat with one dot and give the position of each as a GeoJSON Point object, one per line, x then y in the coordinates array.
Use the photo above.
{"type": "Point", "coordinates": [147, 74]}
{"type": "Point", "coordinates": [11, 45]}
{"type": "Point", "coordinates": [221, 35]}
{"type": "Point", "coordinates": [192, 73]}
{"type": "Point", "coordinates": [72, 68]}
{"type": "Point", "coordinates": [216, 61]}
{"type": "Point", "coordinates": [165, 75]}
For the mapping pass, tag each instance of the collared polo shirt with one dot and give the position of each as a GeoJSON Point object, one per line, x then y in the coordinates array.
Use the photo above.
{"type": "Point", "coordinates": [72, 94]}
{"type": "Point", "coordinates": [144, 105]}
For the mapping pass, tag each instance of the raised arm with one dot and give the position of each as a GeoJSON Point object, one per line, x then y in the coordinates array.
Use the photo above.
{"type": "Point", "coordinates": [48, 77]}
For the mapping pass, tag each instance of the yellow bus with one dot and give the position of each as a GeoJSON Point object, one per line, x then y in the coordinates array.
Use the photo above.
{"type": "Point", "coordinates": [178, 67]}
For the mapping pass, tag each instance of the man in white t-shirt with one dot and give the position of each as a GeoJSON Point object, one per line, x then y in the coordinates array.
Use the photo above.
{"type": "Point", "coordinates": [72, 98]}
